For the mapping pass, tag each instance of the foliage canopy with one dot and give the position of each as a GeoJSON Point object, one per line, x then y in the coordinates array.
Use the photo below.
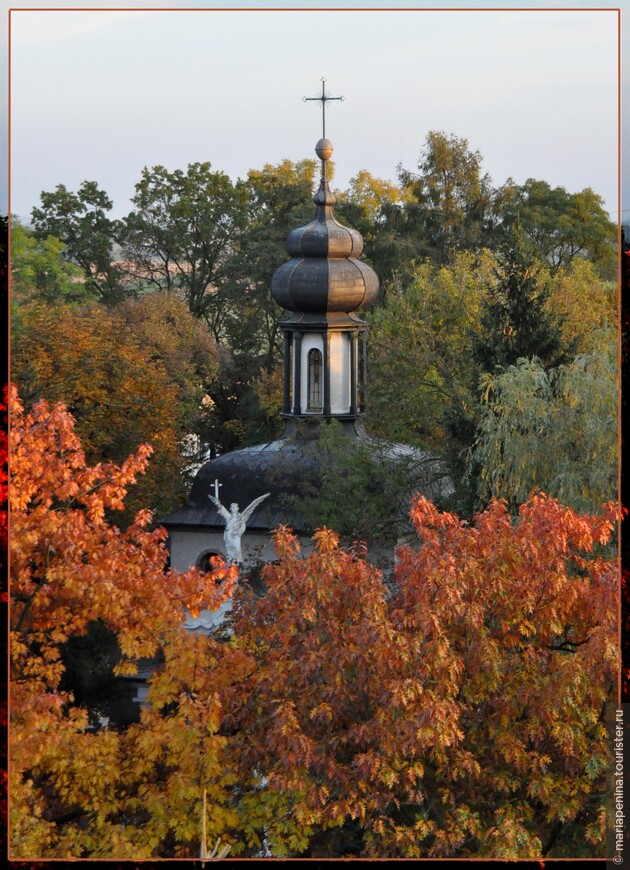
{"type": "Point", "coordinates": [457, 714]}
{"type": "Point", "coordinates": [71, 789]}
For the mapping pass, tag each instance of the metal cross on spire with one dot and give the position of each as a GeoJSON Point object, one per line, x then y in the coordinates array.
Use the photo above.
{"type": "Point", "coordinates": [323, 98]}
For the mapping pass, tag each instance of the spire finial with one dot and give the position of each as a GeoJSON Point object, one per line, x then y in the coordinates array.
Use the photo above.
{"type": "Point", "coordinates": [323, 98]}
{"type": "Point", "coordinates": [324, 146]}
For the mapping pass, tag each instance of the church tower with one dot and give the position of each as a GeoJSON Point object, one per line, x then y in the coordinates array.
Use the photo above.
{"type": "Point", "coordinates": [322, 287]}
{"type": "Point", "coordinates": [324, 284]}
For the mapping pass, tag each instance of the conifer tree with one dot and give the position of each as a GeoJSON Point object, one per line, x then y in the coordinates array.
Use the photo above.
{"type": "Point", "coordinates": [514, 321]}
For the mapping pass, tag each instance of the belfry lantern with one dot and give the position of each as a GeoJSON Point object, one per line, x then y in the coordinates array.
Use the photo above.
{"type": "Point", "coordinates": [324, 283]}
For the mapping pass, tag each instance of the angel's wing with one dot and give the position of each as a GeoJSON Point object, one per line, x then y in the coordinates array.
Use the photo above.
{"type": "Point", "coordinates": [222, 511]}
{"type": "Point", "coordinates": [252, 507]}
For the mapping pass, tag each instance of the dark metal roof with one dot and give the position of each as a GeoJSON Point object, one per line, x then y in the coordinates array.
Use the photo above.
{"type": "Point", "coordinates": [285, 468]}
{"type": "Point", "coordinates": [279, 467]}
{"type": "Point", "coordinates": [324, 273]}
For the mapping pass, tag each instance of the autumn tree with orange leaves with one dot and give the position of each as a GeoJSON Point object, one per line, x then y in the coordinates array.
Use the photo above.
{"type": "Point", "coordinates": [75, 793]}
{"type": "Point", "coordinates": [463, 716]}
{"type": "Point", "coordinates": [459, 712]}
{"type": "Point", "coordinates": [128, 375]}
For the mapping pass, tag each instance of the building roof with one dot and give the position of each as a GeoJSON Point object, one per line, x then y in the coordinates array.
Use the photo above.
{"type": "Point", "coordinates": [287, 468]}
{"type": "Point", "coordinates": [324, 274]}
{"type": "Point", "coordinates": [284, 466]}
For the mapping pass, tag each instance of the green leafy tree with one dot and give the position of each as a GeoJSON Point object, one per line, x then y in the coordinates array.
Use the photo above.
{"type": "Point", "coordinates": [278, 200]}
{"type": "Point", "coordinates": [246, 393]}
{"type": "Point", "coordinates": [365, 486]}
{"type": "Point", "coordinates": [438, 332]}
{"type": "Point", "coordinates": [421, 362]}
{"type": "Point", "coordinates": [449, 203]}
{"type": "Point", "coordinates": [180, 235]}
{"type": "Point", "coordinates": [562, 226]}
{"type": "Point", "coordinates": [81, 222]}
{"type": "Point", "coordinates": [515, 321]}
{"type": "Point", "coordinates": [582, 304]}
{"type": "Point", "coordinates": [39, 271]}
{"type": "Point", "coordinates": [555, 428]}
{"type": "Point", "coordinates": [420, 350]}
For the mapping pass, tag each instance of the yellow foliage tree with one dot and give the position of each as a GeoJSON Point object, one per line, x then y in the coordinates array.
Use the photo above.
{"type": "Point", "coordinates": [116, 386]}
{"type": "Point", "coordinates": [75, 793]}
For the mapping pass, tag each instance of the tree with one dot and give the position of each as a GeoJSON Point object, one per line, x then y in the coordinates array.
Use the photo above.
{"type": "Point", "coordinates": [449, 203]}
{"type": "Point", "coordinates": [420, 349]}
{"type": "Point", "coordinates": [462, 717]}
{"type": "Point", "coordinates": [364, 487]}
{"type": "Point", "coordinates": [374, 207]}
{"type": "Point", "coordinates": [582, 304]}
{"type": "Point", "coordinates": [76, 793]}
{"type": "Point", "coordinates": [459, 716]}
{"type": "Point", "coordinates": [4, 567]}
{"type": "Point", "coordinates": [278, 200]}
{"type": "Point", "coordinates": [562, 226]}
{"type": "Point", "coordinates": [40, 272]}
{"type": "Point", "coordinates": [121, 397]}
{"type": "Point", "coordinates": [421, 361]}
{"type": "Point", "coordinates": [440, 330]}
{"type": "Point", "coordinates": [369, 195]}
{"type": "Point", "coordinates": [184, 227]}
{"type": "Point", "coordinates": [555, 428]}
{"type": "Point", "coordinates": [4, 286]}
{"type": "Point", "coordinates": [625, 491]}
{"type": "Point", "coordinates": [515, 321]}
{"type": "Point", "coordinates": [180, 344]}
{"type": "Point", "coordinates": [80, 221]}
{"type": "Point", "coordinates": [4, 457]}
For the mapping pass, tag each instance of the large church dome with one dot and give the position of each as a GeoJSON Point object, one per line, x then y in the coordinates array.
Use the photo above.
{"type": "Point", "coordinates": [282, 468]}
{"type": "Point", "coordinates": [289, 469]}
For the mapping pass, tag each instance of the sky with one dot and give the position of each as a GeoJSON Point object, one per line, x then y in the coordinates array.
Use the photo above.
{"type": "Point", "coordinates": [100, 94]}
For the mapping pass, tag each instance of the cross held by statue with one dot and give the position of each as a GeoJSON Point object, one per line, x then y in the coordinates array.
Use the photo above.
{"type": "Point", "coordinates": [216, 487]}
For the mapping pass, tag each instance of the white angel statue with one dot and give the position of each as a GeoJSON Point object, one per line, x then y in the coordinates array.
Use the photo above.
{"type": "Point", "coordinates": [235, 525]}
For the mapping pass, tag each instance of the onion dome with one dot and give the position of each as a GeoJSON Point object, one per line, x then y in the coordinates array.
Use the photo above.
{"type": "Point", "coordinates": [324, 274]}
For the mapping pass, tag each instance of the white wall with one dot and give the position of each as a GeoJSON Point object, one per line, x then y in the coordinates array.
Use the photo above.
{"type": "Point", "coordinates": [188, 545]}
{"type": "Point", "coordinates": [339, 371]}
{"type": "Point", "coordinates": [309, 341]}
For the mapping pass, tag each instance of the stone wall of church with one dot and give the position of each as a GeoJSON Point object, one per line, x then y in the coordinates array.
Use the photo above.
{"type": "Point", "coordinates": [189, 546]}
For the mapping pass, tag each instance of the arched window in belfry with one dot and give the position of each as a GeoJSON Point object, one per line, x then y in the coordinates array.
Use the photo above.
{"type": "Point", "coordinates": [315, 381]}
